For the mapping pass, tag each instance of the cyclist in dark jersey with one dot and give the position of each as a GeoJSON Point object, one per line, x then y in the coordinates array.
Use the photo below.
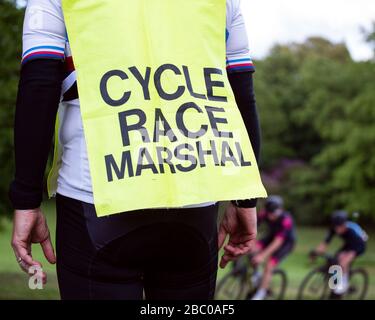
{"type": "Point", "coordinates": [354, 239]}
{"type": "Point", "coordinates": [278, 242]}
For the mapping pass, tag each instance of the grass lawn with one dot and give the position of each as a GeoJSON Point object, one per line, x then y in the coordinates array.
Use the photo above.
{"type": "Point", "coordinates": [14, 284]}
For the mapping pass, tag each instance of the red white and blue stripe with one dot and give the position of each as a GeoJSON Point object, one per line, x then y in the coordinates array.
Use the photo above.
{"type": "Point", "coordinates": [49, 52]}
{"type": "Point", "coordinates": [240, 64]}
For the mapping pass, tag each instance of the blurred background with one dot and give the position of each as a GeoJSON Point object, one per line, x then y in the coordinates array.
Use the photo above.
{"type": "Point", "coordinates": [315, 87]}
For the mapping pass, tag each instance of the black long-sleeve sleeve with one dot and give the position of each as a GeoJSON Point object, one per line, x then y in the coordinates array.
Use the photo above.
{"type": "Point", "coordinates": [38, 98]}
{"type": "Point", "coordinates": [243, 89]}
{"type": "Point", "coordinates": [329, 236]}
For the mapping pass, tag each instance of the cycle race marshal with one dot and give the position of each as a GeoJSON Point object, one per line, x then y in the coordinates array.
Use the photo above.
{"type": "Point", "coordinates": [165, 127]}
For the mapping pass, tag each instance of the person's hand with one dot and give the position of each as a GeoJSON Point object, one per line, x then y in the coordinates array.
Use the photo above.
{"type": "Point", "coordinates": [258, 259]}
{"type": "Point", "coordinates": [321, 249]}
{"type": "Point", "coordinates": [241, 226]}
{"type": "Point", "coordinates": [30, 226]}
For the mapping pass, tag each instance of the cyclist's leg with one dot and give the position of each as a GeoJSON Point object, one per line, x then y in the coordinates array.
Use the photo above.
{"type": "Point", "coordinates": [345, 258]}
{"type": "Point", "coordinates": [282, 253]}
{"type": "Point", "coordinates": [108, 258]}
{"type": "Point", "coordinates": [261, 292]}
{"type": "Point", "coordinates": [348, 253]}
{"type": "Point", "coordinates": [263, 243]}
{"type": "Point", "coordinates": [185, 263]}
{"type": "Point", "coordinates": [259, 247]}
{"type": "Point", "coordinates": [270, 266]}
{"type": "Point", "coordinates": [82, 272]}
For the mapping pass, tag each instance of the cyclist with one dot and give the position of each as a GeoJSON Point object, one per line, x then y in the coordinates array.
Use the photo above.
{"type": "Point", "coordinates": [354, 245]}
{"type": "Point", "coordinates": [277, 244]}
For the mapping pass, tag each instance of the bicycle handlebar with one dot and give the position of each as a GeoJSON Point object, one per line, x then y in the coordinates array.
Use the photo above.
{"type": "Point", "coordinates": [313, 255]}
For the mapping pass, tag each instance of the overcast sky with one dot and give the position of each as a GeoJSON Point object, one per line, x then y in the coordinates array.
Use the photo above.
{"type": "Point", "coordinates": [272, 21]}
{"type": "Point", "coordinates": [281, 21]}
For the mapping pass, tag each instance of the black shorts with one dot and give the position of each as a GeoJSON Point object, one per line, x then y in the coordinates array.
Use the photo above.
{"type": "Point", "coordinates": [281, 253]}
{"type": "Point", "coordinates": [358, 248]}
{"type": "Point", "coordinates": [159, 253]}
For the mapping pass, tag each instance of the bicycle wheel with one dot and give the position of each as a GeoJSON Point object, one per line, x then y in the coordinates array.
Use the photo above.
{"type": "Point", "coordinates": [358, 285]}
{"type": "Point", "coordinates": [230, 287]}
{"type": "Point", "coordinates": [278, 285]}
{"type": "Point", "coordinates": [314, 285]}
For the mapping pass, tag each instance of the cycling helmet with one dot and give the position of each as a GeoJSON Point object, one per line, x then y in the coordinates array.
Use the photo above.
{"type": "Point", "coordinates": [339, 218]}
{"type": "Point", "coordinates": [273, 203]}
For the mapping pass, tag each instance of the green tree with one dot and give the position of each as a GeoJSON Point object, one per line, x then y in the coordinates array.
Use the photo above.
{"type": "Point", "coordinates": [317, 107]}
{"type": "Point", "coordinates": [350, 137]}
{"type": "Point", "coordinates": [282, 93]}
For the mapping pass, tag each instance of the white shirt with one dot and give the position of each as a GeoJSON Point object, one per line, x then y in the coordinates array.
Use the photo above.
{"type": "Point", "coordinates": [44, 37]}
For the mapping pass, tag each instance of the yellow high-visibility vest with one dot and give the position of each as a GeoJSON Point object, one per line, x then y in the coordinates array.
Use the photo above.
{"type": "Point", "coordinates": [160, 120]}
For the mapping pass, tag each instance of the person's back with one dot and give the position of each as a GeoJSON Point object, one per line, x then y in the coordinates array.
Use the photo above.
{"type": "Point", "coordinates": [97, 257]}
{"type": "Point", "coordinates": [352, 235]}
{"type": "Point", "coordinates": [354, 232]}
{"type": "Point", "coordinates": [283, 226]}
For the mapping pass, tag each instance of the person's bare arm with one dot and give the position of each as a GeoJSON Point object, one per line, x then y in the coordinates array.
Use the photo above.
{"type": "Point", "coordinates": [240, 224]}
{"type": "Point", "coordinates": [30, 226]}
{"type": "Point", "coordinates": [266, 253]}
{"type": "Point", "coordinates": [321, 248]}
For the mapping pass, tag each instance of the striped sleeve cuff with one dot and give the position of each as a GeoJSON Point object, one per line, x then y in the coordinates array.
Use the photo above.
{"type": "Point", "coordinates": [240, 64]}
{"type": "Point", "coordinates": [43, 52]}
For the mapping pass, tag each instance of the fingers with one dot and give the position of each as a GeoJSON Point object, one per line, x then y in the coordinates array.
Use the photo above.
{"type": "Point", "coordinates": [240, 247]}
{"type": "Point", "coordinates": [240, 224]}
{"type": "Point", "coordinates": [28, 264]}
{"type": "Point", "coordinates": [233, 250]}
{"type": "Point", "coordinates": [38, 273]}
{"type": "Point", "coordinates": [225, 259]}
{"type": "Point", "coordinates": [23, 254]}
{"type": "Point", "coordinates": [29, 226]}
{"type": "Point", "coordinates": [48, 251]}
{"type": "Point", "coordinates": [231, 253]}
{"type": "Point", "coordinates": [236, 251]}
{"type": "Point", "coordinates": [222, 235]}
{"type": "Point", "coordinates": [23, 265]}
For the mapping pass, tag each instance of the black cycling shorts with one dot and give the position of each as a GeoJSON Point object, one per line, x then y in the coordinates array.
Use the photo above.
{"type": "Point", "coordinates": [358, 248]}
{"type": "Point", "coordinates": [156, 253]}
{"type": "Point", "coordinates": [281, 253]}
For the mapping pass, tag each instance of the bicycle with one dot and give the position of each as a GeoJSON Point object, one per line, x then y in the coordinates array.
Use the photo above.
{"type": "Point", "coordinates": [315, 285]}
{"type": "Point", "coordinates": [239, 283]}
